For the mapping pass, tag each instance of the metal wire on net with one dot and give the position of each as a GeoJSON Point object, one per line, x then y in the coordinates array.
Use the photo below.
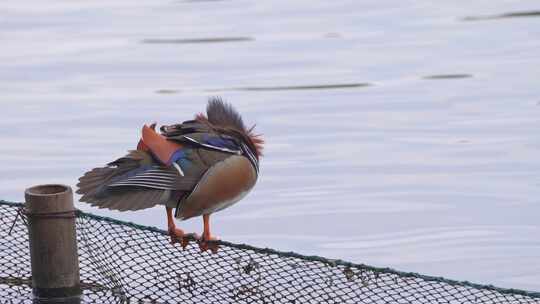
{"type": "Point", "coordinates": [127, 263]}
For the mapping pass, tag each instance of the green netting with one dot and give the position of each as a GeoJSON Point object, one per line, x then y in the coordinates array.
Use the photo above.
{"type": "Point", "coordinates": [126, 263]}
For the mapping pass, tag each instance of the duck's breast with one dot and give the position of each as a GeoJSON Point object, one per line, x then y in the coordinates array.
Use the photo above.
{"type": "Point", "coordinates": [224, 184]}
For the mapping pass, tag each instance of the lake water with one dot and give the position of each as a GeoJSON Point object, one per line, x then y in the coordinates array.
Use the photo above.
{"type": "Point", "coordinates": [399, 133]}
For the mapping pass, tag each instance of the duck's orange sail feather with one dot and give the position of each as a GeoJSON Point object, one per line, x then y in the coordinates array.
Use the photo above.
{"type": "Point", "coordinates": [158, 145]}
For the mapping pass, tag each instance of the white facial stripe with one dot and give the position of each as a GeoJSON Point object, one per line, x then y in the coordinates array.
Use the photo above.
{"type": "Point", "coordinates": [238, 152]}
{"type": "Point", "coordinates": [251, 157]}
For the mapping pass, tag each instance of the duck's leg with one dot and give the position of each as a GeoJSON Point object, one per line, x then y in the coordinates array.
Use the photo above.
{"type": "Point", "coordinates": [176, 234]}
{"type": "Point", "coordinates": [207, 239]}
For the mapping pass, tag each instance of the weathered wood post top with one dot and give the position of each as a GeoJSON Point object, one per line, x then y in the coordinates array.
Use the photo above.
{"type": "Point", "coordinates": [53, 243]}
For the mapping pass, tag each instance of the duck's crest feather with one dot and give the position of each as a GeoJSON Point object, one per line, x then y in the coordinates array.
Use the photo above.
{"type": "Point", "coordinates": [220, 113]}
{"type": "Point", "coordinates": [223, 115]}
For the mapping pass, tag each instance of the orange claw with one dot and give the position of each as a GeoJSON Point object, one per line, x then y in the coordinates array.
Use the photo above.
{"type": "Point", "coordinates": [178, 235]}
{"type": "Point", "coordinates": [207, 241]}
{"type": "Point", "coordinates": [187, 238]}
{"type": "Point", "coordinates": [209, 244]}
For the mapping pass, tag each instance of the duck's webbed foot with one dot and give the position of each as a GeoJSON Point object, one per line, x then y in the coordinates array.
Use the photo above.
{"type": "Point", "coordinates": [178, 235]}
{"type": "Point", "coordinates": [207, 241]}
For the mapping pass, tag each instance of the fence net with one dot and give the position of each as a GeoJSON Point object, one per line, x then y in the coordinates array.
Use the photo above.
{"type": "Point", "coordinates": [126, 263]}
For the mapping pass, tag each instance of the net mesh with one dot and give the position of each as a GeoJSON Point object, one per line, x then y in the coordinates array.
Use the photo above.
{"type": "Point", "coordinates": [127, 263]}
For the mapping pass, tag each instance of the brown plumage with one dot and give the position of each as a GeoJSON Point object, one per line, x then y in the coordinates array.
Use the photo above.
{"type": "Point", "coordinates": [197, 167]}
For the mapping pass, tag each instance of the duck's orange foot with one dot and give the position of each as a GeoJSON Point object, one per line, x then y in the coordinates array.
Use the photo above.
{"type": "Point", "coordinates": [210, 242]}
{"type": "Point", "coordinates": [179, 236]}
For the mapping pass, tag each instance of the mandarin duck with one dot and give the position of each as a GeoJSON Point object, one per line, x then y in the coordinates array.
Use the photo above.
{"type": "Point", "coordinates": [197, 167]}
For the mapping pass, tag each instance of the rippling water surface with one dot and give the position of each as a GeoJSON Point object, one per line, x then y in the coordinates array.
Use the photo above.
{"type": "Point", "coordinates": [399, 134]}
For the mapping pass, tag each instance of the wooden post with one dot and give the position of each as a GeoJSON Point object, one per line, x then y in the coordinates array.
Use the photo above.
{"type": "Point", "coordinates": [53, 243]}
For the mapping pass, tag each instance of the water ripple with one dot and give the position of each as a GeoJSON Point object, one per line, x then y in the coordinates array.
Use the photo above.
{"type": "Point", "coordinates": [299, 87]}
{"type": "Point", "coordinates": [503, 16]}
{"type": "Point", "coordinates": [447, 76]}
{"type": "Point", "coordinates": [197, 40]}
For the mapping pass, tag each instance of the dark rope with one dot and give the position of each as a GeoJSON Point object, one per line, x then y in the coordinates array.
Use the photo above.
{"type": "Point", "coordinates": [69, 214]}
{"type": "Point", "coordinates": [20, 213]}
{"type": "Point", "coordinates": [23, 213]}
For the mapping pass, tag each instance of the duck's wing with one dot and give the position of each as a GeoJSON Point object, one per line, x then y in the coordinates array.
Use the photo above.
{"type": "Point", "coordinates": [135, 181]}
